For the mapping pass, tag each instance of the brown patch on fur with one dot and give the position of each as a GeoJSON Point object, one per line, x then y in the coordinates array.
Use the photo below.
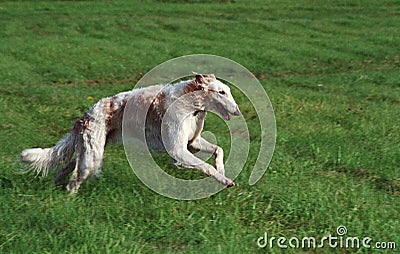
{"type": "Point", "coordinates": [159, 104]}
{"type": "Point", "coordinates": [199, 83]}
{"type": "Point", "coordinates": [109, 109]}
{"type": "Point", "coordinates": [82, 123]}
{"type": "Point", "coordinates": [114, 109]}
{"type": "Point", "coordinates": [157, 108]}
{"type": "Point", "coordinates": [204, 78]}
{"type": "Point", "coordinates": [192, 86]}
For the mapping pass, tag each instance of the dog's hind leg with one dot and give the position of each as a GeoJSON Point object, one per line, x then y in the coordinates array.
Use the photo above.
{"type": "Point", "coordinates": [89, 155]}
{"type": "Point", "coordinates": [64, 172]}
{"type": "Point", "coordinates": [207, 147]}
{"type": "Point", "coordinates": [88, 163]}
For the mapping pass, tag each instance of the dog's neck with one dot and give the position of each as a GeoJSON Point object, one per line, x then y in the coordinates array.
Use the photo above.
{"type": "Point", "coordinates": [180, 89]}
{"type": "Point", "coordinates": [192, 104]}
{"type": "Point", "coordinates": [185, 87]}
{"type": "Point", "coordinates": [196, 113]}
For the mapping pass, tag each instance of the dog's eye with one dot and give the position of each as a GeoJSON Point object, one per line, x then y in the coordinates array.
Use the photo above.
{"type": "Point", "coordinates": [222, 92]}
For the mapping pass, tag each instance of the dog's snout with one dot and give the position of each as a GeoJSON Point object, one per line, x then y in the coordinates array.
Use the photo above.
{"type": "Point", "coordinates": [237, 111]}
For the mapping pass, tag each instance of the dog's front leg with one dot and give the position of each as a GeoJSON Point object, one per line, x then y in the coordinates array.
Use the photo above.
{"type": "Point", "coordinates": [207, 147]}
{"type": "Point", "coordinates": [188, 160]}
{"type": "Point", "coordinates": [175, 133]}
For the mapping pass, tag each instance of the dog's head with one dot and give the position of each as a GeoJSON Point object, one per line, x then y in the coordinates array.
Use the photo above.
{"type": "Point", "coordinates": [217, 96]}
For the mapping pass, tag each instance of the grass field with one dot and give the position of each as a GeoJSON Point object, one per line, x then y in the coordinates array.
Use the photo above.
{"type": "Point", "coordinates": [330, 68]}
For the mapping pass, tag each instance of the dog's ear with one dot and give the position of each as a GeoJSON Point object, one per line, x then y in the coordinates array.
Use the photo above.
{"type": "Point", "coordinates": [204, 79]}
{"type": "Point", "coordinates": [199, 78]}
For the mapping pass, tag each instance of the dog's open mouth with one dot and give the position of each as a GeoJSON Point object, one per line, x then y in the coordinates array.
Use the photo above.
{"type": "Point", "coordinates": [225, 116]}
{"type": "Point", "coordinates": [224, 113]}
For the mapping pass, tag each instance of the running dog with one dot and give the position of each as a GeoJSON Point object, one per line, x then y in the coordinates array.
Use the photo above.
{"type": "Point", "coordinates": [181, 107]}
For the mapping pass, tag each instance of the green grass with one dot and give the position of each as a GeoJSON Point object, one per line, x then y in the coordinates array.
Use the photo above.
{"type": "Point", "coordinates": [330, 68]}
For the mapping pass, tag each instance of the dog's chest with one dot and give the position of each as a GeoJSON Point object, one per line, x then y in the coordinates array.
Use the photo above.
{"type": "Point", "coordinates": [193, 125]}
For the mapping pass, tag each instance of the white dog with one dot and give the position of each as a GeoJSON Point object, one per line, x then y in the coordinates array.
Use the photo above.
{"type": "Point", "coordinates": [182, 107]}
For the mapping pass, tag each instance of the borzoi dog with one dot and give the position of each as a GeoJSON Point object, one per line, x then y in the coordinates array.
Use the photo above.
{"type": "Point", "coordinates": [103, 123]}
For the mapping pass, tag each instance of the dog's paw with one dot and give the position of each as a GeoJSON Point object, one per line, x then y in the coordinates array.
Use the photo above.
{"type": "Point", "coordinates": [230, 183]}
{"type": "Point", "coordinates": [73, 186]}
{"type": "Point", "coordinates": [224, 180]}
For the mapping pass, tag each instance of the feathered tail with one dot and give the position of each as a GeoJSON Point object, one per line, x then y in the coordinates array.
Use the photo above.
{"type": "Point", "coordinates": [41, 160]}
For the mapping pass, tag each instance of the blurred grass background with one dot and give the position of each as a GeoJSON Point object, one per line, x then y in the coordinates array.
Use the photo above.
{"type": "Point", "coordinates": [330, 68]}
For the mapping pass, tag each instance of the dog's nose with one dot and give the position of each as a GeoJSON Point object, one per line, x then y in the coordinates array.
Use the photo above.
{"type": "Point", "coordinates": [237, 111]}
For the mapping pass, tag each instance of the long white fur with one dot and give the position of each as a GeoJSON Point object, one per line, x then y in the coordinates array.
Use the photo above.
{"type": "Point", "coordinates": [182, 107]}
{"type": "Point", "coordinates": [42, 160]}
